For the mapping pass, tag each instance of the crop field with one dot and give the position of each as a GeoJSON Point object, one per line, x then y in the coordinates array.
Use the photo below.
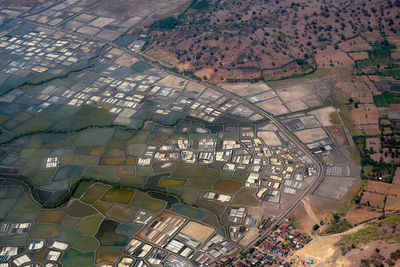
{"type": "Point", "coordinates": [172, 182]}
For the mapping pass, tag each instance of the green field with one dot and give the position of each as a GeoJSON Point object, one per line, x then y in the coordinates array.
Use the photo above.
{"type": "Point", "coordinates": [120, 195]}
{"type": "Point", "coordinates": [143, 201]}
{"type": "Point", "coordinates": [386, 98]}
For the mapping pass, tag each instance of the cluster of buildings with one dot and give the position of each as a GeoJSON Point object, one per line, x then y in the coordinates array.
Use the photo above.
{"type": "Point", "coordinates": [173, 239]}
{"type": "Point", "coordinates": [41, 51]}
{"type": "Point", "coordinates": [275, 249]}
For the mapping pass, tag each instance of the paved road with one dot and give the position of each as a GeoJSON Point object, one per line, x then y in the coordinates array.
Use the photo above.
{"type": "Point", "coordinates": [320, 168]}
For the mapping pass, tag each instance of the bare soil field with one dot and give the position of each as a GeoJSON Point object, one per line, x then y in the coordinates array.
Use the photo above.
{"type": "Point", "coordinates": [246, 89]}
{"type": "Point", "coordinates": [396, 178]}
{"type": "Point", "coordinates": [273, 105]}
{"type": "Point", "coordinates": [358, 55]}
{"type": "Point", "coordinates": [338, 133]}
{"type": "Point", "coordinates": [270, 138]}
{"type": "Point", "coordinates": [332, 58]}
{"type": "Point", "coordinates": [249, 39]}
{"type": "Point", "coordinates": [311, 135]}
{"type": "Point", "coordinates": [357, 214]}
{"type": "Point", "coordinates": [197, 231]}
{"type": "Point", "coordinates": [147, 11]}
{"type": "Point", "coordinates": [324, 115]}
{"type": "Point", "coordinates": [365, 114]}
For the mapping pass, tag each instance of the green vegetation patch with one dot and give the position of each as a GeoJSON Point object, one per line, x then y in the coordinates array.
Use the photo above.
{"type": "Point", "coordinates": [143, 201]}
{"type": "Point", "coordinates": [121, 195]}
{"type": "Point", "coordinates": [386, 98]}
{"type": "Point", "coordinates": [79, 209]}
{"type": "Point", "coordinates": [86, 243]}
{"type": "Point", "coordinates": [108, 254]}
{"type": "Point", "coordinates": [246, 197]}
{"type": "Point", "coordinates": [43, 231]}
{"type": "Point", "coordinates": [51, 216]}
{"type": "Point", "coordinates": [227, 186]}
{"type": "Point", "coordinates": [94, 193]}
{"type": "Point", "coordinates": [188, 211]}
{"type": "Point", "coordinates": [73, 258]}
{"type": "Point", "coordinates": [140, 66]}
{"type": "Point", "coordinates": [107, 235]}
{"type": "Point", "coordinates": [214, 207]}
{"type": "Point", "coordinates": [363, 235]}
{"type": "Point", "coordinates": [82, 188]}
{"type": "Point", "coordinates": [172, 182]}
{"type": "Point", "coordinates": [69, 234]}
{"type": "Point", "coordinates": [165, 24]}
{"type": "Point", "coordinates": [89, 225]}
{"type": "Point", "coordinates": [94, 137]}
{"type": "Point", "coordinates": [190, 195]}
{"type": "Point", "coordinates": [102, 206]}
{"type": "Point", "coordinates": [25, 210]}
{"type": "Point", "coordinates": [201, 177]}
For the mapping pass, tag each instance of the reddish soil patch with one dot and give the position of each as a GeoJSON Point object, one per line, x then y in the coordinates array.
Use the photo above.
{"type": "Point", "coordinates": [365, 114]}
{"type": "Point", "coordinates": [246, 38]}
{"type": "Point", "coordinates": [373, 200]}
{"type": "Point", "coordinates": [359, 55]}
{"type": "Point", "coordinates": [374, 143]}
{"type": "Point", "coordinates": [371, 129]}
{"type": "Point", "coordinates": [396, 178]}
{"type": "Point", "coordinates": [392, 203]}
{"type": "Point", "coordinates": [227, 186]}
{"type": "Point", "coordinates": [358, 214]}
{"type": "Point", "coordinates": [377, 187]}
{"type": "Point", "coordinates": [339, 135]}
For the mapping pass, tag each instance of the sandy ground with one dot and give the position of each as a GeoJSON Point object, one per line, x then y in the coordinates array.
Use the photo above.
{"type": "Point", "coordinates": [311, 135]}
{"type": "Point", "coordinates": [323, 115]}
{"type": "Point", "coordinates": [270, 138]}
{"type": "Point", "coordinates": [197, 231]}
{"type": "Point", "coordinates": [322, 249]}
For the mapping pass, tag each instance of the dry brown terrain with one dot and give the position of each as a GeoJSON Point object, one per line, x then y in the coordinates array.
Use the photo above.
{"type": "Point", "coordinates": [224, 39]}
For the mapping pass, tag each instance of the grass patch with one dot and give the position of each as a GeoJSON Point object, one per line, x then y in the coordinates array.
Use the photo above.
{"type": "Point", "coordinates": [121, 195]}
{"type": "Point", "coordinates": [334, 118]}
{"type": "Point", "coordinates": [51, 216]}
{"type": "Point", "coordinates": [172, 182]}
{"type": "Point", "coordinates": [195, 172]}
{"type": "Point", "coordinates": [143, 201]}
{"type": "Point", "coordinates": [102, 206]}
{"type": "Point", "coordinates": [79, 209]}
{"type": "Point", "coordinates": [246, 197]}
{"type": "Point", "coordinates": [355, 155]}
{"type": "Point", "coordinates": [339, 101]}
{"type": "Point", "coordinates": [363, 235]}
{"type": "Point", "coordinates": [94, 193]}
{"type": "Point", "coordinates": [73, 257]}
{"type": "Point", "coordinates": [393, 220]}
{"type": "Point", "coordinates": [43, 231]}
{"type": "Point", "coordinates": [69, 234]}
{"type": "Point", "coordinates": [89, 225]}
{"type": "Point", "coordinates": [86, 243]}
{"type": "Point", "coordinates": [386, 98]}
